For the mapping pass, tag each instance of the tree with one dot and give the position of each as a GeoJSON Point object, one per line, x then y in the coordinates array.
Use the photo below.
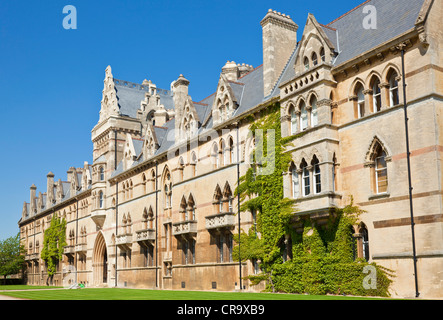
{"type": "Point", "coordinates": [12, 256]}
{"type": "Point", "coordinates": [54, 242]}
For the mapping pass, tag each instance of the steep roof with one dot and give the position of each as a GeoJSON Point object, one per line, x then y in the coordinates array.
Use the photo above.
{"type": "Point", "coordinates": [130, 94]}
{"type": "Point", "coordinates": [351, 38]}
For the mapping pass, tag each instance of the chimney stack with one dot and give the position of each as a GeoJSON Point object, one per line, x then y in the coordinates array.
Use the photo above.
{"type": "Point", "coordinates": [279, 41]}
{"type": "Point", "coordinates": [32, 202]}
{"type": "Point", "coordinates": [49, 189]}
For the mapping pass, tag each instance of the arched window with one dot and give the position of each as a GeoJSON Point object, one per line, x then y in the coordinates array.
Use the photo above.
{"type": "Point", "coordinates": [295, 184]}
{"type": "Point", "coordinates": [314, 59]}
{"type": "Point", "coordinates": [314, 112]}
{"type": "Point", "coordinates": [231, 150]}
{"type": "Point", "coordinates": [214, 155]}
{"type": "Point", "coordinates": [193, 164]}
{"type": "Point", "coordinates": [223, 153]}
{"type": "Point", "coordinates": [184, 209]}
{"type": "Point", "coordinates": [322, 54]}
{"type": "Point", "coordinates": [181, 168]}
{"type": "Point", "coordinates": [303, 116]}
{"type": "Point", "coordinates": [144, 183]}
{"type": "Point", "coordinates": [376, 95]}
{"type": "Point", "coordinates": [306, 63]}
{"type": "Point", "coordinates": [306, 182]}
{"type": "Point", "coordinates": [365, 242]}
{"type": "Point", "coordinates": [218, 203]}
{"type": "Point", "coordinates": [393, 89]}
{"type": "Point", "coordinates": [227, 198]}
{"type": "Point", "coordinates": [317, 175]}
{"type": "Point", "coordinates": [294, 120]}
{"type": "Point", "coordinates": [381, 172]}
{"type": "Point", "coordinates": [191, 208]}
{"type": "Point", "coordinates": [360, 100]}
{"type": "Point", "coordinates": [168, 190]}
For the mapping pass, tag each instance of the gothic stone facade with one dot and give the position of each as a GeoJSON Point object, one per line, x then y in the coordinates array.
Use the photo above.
{"type": "Point", "coordinates": [156, 209]}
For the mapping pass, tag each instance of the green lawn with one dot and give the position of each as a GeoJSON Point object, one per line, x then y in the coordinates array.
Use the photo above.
{"type": "Point", "coordinates": [142, 294]}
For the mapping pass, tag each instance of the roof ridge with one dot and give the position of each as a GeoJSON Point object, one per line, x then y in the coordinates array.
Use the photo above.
{"type": "Point", "coordinates": [348, 12]}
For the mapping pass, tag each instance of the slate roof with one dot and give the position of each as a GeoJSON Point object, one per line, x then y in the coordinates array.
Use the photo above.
{"type": "Point", "coordinates": [129, 95]}
{"type": "Point", "coordinates": [394, 17]}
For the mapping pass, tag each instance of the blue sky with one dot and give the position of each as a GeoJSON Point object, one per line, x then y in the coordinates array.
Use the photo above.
{"type": "Point", "coordinates": [51, 78]}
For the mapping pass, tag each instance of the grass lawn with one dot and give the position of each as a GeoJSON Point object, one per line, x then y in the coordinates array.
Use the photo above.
{"type": "Point", "coordinates": [143, 294]}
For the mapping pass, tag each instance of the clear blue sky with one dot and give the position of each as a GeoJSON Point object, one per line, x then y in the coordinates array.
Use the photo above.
{"type": "Point", "coordinates": [51, 78]}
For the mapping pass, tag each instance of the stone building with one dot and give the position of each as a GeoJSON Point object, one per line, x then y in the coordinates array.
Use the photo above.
{"type": "Point", "coordinates": [155, 208]}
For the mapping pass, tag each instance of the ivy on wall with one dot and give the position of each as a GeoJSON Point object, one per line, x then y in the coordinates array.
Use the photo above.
{"type": "Point", "coordinates": [322, 257]}
{"type": "Point", "coordinates": [54, 241]}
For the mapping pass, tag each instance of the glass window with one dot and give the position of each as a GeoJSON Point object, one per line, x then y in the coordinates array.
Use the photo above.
{"type": "Point", "coordinates": [306, 179]}
{"type": "Point", "coordinates": [314, 112]}
{"type": "Point", "coordinates": [295, 184]}
{"type": "Point", "coordinates": [381, 173]}
{"type": "Point", "coordinates": [393, 89]}
{"type": "Point", "coordinates": [376, 92]}
{"type": "Point", "coordinates": [303, 116]}
{"type": "Point", "coordinates": [293, 122]}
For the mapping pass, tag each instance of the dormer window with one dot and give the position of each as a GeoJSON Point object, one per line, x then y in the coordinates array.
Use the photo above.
{"type": "Point", "coordinates": [306, 63]}
{"type": "Point", "coordinates": [322, 54]}
{"type": "Point", "coordinates": [314, 59]}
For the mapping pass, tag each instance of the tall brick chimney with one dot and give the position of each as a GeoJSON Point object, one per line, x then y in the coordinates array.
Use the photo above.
{"type": "Point", "coordinates": [279, 41]}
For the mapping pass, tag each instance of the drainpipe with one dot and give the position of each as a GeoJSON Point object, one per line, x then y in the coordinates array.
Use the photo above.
{"type": "Point", "coordinates": [238, 205]}
{"type": "Point", "coordinates": [156, 224]}
{"type": "Point", "coordinates": [408, 156]}
{"type": "Point", "coordinates": [116, 205]}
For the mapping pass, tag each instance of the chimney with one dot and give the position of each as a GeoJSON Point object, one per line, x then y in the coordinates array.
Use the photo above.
{"type": "Point", "coordinates": [180, 94]}
{"type": "Point", "coordinates": [230, 70]}
{"type": "Point", "coordinates": [279, 41]}
{"type": "Point", "coordinates": [49, 189]}
{"type": "Point", "coordinates": [32, 202]}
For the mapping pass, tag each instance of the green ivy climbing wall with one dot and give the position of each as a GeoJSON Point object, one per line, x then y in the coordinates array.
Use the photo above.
{"type": "Point", "coordinates": [322, 256]}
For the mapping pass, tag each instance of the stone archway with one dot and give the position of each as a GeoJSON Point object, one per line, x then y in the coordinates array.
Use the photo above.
{"type": "Point", "coordinates": [100, 261]}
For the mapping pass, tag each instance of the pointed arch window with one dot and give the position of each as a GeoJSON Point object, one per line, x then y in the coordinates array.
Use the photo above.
{"type": "Point", "coordinates": [231, 150]}
{"type": "Point", "coordinates": [376, 95]}
{"type": "Point", "coordinates": [215, 156]}
{"type": "Point", "coordinates": [303, 116]}
{"type": "Point", "coordinates": [393, 89]}
{"type": "Point", "coordinates": [317, 175]}
{"type": "Point", "coordinates": [294, 120]}
{"type": "Point", "coordinates": [381, 172]}
{"type": "Point", "coordinates": [314, 111]}
{"type": "Point", "coordinates": [306, 181]}
{"type": "Point", "coordinates": [322, 54]}
{"type": "Point", "coordinates": [218, 203]}
{"type": "Point", "coordinates": [360, 100]}
{"type": "Point", "coordinates": [191, 208]}
{"type": "Point", "coordinates": [306, 63]}
{"type": "Point", "coordinates": [314, 59]}
{"type": "Point", "coordinates": [295, 184]}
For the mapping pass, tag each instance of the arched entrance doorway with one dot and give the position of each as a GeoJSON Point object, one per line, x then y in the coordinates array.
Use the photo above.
{"type": "Point", "coordinates": [100, 261]}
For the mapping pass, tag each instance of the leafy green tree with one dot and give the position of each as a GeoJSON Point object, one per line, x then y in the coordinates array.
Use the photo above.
{"type": "Point", "coordinates": [54, 242]}
{"type": "Point", "coordinates": [12, 256]}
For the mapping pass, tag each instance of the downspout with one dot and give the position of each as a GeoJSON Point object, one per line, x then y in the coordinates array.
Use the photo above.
{"type": "Point", "coordinates": [238, 207]}
{"type": "Point", "coordinates": [408, 157]}
{"type": "Point", "coordinates": [116, 205]}
{"type": "Point", "coordinates": [156, 224]}
{"type": "Point", "coordinates": [76, 240]}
